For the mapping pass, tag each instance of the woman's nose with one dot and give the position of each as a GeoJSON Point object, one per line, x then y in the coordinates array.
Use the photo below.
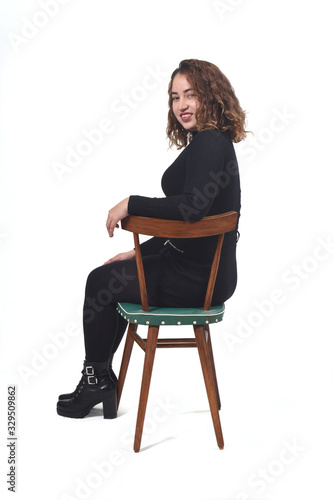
{"type": "Point", "coordinates": [183, 104]}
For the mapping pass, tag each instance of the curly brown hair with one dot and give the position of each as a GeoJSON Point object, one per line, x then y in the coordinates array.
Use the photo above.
{"type": "Point", "coordinates": [219, 107]}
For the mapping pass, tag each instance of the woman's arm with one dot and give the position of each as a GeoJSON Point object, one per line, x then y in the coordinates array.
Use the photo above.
{"type": "Point", "coordinates": [116, 214]}
{"type": "Point", "coordinates": [122, 256]}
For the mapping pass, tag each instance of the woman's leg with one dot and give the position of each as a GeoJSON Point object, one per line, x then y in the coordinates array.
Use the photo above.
{"type": "Point", "coordinates": [103, 331]}
{"type": "Point", "coordinates": [103, 326]}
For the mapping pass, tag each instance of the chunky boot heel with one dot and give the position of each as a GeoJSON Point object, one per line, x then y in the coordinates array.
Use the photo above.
{"type": "Point", "coordinates": [96, 386]}
{"type": "Point", "coordinates": [110, 406]}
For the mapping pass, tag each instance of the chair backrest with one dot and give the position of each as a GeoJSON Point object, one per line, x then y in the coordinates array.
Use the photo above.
{"type": "Point", "coordinates": [214, 225]}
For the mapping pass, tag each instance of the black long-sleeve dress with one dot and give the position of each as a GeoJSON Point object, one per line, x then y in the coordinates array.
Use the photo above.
{"type": "Point", "coordinates": [202, 181]}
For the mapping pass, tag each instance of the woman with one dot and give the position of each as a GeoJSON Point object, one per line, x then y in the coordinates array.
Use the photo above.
{"type": "Point", "coordinates": [205, 118]}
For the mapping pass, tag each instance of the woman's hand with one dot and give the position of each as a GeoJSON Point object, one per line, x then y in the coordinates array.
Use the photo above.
{"type": "Point", "coordinates": [115, 215]}
{"type": "Point", "coordinates": [122, 256]}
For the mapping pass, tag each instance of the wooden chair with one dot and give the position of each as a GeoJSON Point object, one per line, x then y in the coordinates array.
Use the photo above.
{"type": "Point", "coordinates": [154, 317]}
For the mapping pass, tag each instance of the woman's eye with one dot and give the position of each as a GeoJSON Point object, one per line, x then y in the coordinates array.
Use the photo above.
{"type": "Point", "coordinates": [175, 98]}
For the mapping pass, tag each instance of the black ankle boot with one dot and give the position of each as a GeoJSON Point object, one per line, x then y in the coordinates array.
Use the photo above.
{"type": "Point", "coordinates": [72, 394]}
{"type": "Point", "coordinates": [96, 386]}
{"type": "Point", "coordinates": [112, 373]}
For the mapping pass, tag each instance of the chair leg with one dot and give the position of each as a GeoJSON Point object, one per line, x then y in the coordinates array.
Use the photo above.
{"type": "Point", "coordinates": [146, 377]}
{"type": "Point", "coordinates": [203, 350]}
{"type": "Point", "coordinates": [125, 360]}
{"type": "Point", "coordinates": [211, 357]}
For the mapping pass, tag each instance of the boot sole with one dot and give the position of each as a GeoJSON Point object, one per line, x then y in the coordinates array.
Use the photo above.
{"type": "Point", "coordinates": [109, 409]}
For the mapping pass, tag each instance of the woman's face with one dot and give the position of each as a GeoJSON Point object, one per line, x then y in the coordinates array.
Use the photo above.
{"type": "Point", "coordinates": [184, 102]}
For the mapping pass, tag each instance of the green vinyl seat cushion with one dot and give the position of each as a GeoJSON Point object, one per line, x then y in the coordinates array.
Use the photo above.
{"type": "Point", "coordinates": [157, 316]}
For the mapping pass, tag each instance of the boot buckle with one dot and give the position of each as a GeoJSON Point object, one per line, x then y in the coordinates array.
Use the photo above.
{"type": "Point", "coordinates": [90, 372]}
{"type": "Point", "coordinates": [93, 381]}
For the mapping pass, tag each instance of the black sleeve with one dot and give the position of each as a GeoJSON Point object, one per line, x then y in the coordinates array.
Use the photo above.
{"type": "Point", "coordinates": [204, 164]}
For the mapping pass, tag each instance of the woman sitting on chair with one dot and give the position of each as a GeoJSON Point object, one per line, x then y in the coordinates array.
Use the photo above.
{"type": "Point", "coordinates": [205, 118]}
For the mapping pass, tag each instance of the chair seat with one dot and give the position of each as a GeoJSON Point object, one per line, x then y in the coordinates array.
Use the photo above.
{"type": "Point", "coordinates": [157, 316]}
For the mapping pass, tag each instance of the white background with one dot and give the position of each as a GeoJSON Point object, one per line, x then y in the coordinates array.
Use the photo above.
{"type": "Point", "coordinates": [67, 67]}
